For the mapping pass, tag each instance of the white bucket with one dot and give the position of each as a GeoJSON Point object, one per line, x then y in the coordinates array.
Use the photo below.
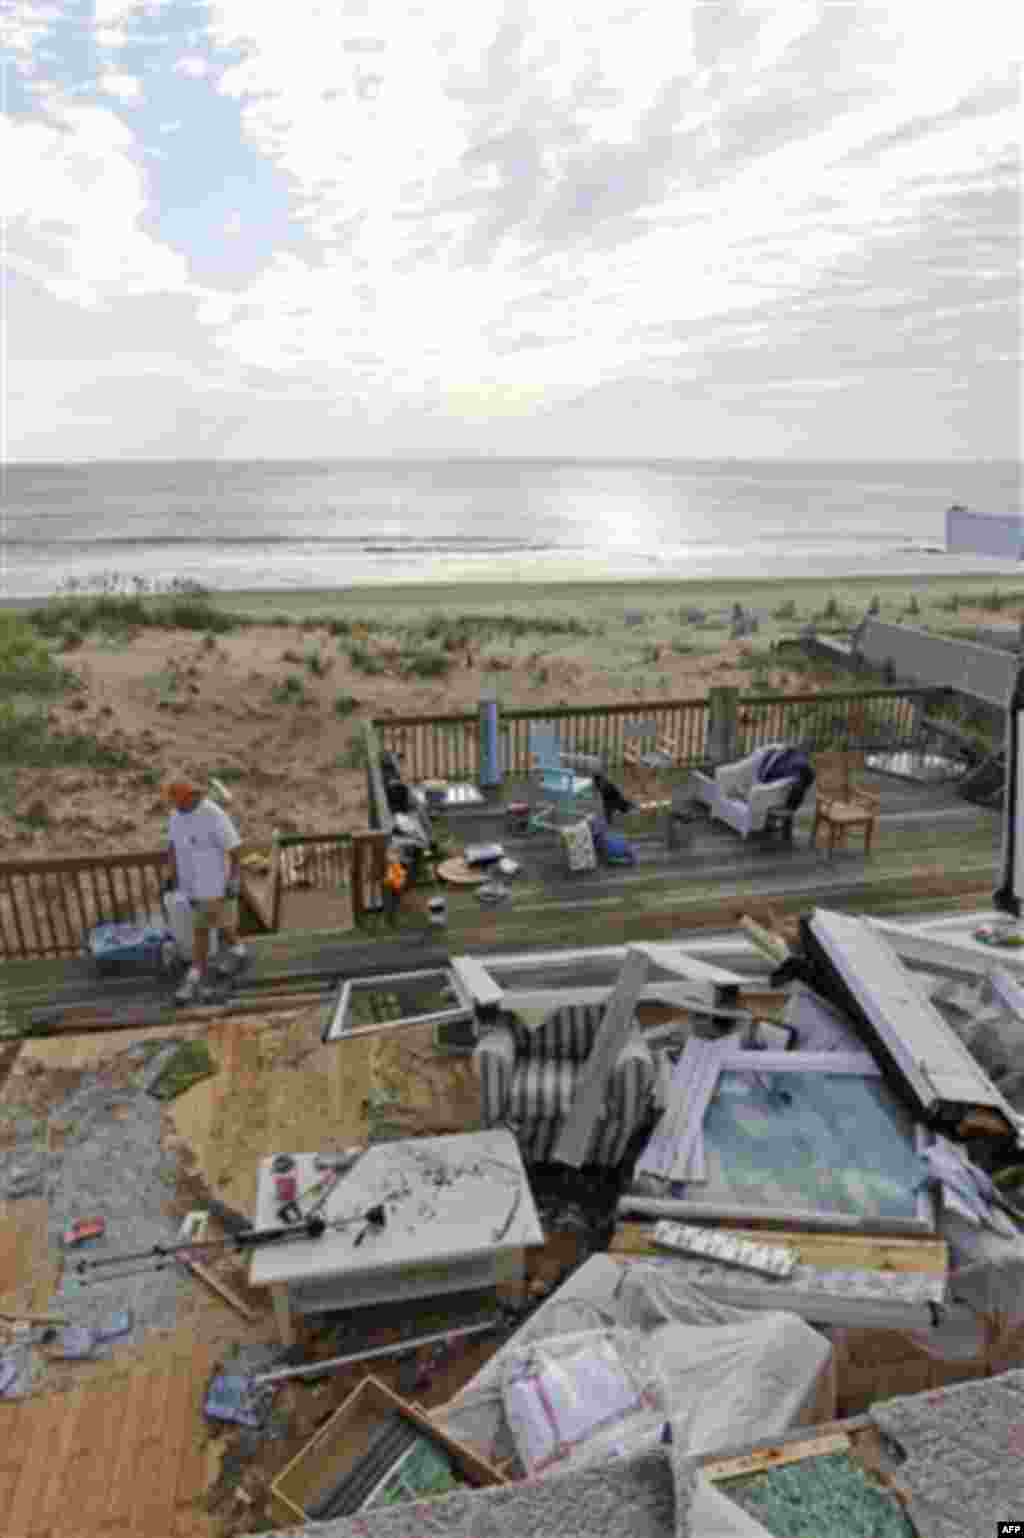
{"type": "Point", "coordinates": [437, 910]}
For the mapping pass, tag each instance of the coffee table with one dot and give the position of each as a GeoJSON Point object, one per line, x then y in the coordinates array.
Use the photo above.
{"type": "Point", "coordinates": [459, 1215]}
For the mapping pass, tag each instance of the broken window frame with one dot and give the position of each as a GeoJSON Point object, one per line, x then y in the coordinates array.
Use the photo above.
{"type": "Point", "coordinates": [856, 1065]}
{"type": "Point", "coordinates": [462, 1010]}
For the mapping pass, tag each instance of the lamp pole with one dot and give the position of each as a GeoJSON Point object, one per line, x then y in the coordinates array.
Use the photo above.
{"type": "Point", "coordinates": [1007, 896]}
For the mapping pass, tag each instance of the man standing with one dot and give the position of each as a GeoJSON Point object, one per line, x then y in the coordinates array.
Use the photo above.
{"type": "Point", "coordinates": [202, 852]}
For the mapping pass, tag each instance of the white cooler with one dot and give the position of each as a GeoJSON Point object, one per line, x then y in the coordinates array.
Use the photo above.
{"type": "Point", "coordinates": [178, 913]}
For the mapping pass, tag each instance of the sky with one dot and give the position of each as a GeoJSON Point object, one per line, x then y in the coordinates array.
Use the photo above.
{"type": "Point", "coordinates": [369, 228]}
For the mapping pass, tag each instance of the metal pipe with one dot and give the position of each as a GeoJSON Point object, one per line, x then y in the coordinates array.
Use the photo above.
{"type": "Point", "coordinates": [399, 1347]}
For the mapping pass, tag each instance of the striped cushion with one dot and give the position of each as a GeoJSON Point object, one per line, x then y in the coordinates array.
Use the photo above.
{"type": "Point", "coordinates": [541, 1090]}
{"type": "Point", "coordinates": [567, 1035]}
{"type": "Point", "coordinates": [495, 1060]}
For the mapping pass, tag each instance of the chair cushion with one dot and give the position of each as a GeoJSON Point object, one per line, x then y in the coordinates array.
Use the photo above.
{"type": "Point", "coordinates": [541, 1090]}
{"type": "Point", "coordinates": [566, 1036]}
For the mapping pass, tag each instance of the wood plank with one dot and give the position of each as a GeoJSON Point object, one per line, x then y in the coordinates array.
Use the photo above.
{"type": "Point", "coordinates": [44, 1418]}
{"type": "Point", "coordinates": [181, 1423]}
{"type": "Point", "coordinates": [827, 1251]}
{"type": "Point", "coordinates": [616, 1024]}
{"type": "Point", "coordinates": [71, 1428]}
{"type": "Point", "coordinates": [192, 1465]}
{"type": "Point", "coordinates": [775, 1457]}
{"type": "Point", "coordinates": [107, 1410]}
{"type": "Point", "coordinates": [153, 1500]}
{"type": "Point", "coordinates": [120, 1493]}
{"type": "Point", "coordinates": [222, 1289]}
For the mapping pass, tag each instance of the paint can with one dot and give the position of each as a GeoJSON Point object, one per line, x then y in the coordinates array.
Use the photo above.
{"type": "Point", "coordinates": [285, 1184]}
{"type": "Point", "coordinates": [437, 910]}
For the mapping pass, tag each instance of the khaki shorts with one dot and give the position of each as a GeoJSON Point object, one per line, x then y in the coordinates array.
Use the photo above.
{"type": "Point", "coordinates": [215, 913]}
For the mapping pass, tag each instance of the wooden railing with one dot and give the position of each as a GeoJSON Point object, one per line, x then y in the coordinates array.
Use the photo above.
{"type": "Point", "coordinates": [326, 861]}
{"type": "Point", "coordinates": [48, 905]}
{"type": "Point", "coordinates": [447, 747]}
{"type": "Point", "coordinates": [866, 720]}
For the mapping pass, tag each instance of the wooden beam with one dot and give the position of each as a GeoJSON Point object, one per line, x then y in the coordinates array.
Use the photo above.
{"type": "Point", "coordinates": [774, 1457]}
{"type": "Point", "coordinates": [222, 1289]}
{"type": "Point", "coordinates": [612, 1034]}
{"type": "Point", "coordinates": [826, 1251]}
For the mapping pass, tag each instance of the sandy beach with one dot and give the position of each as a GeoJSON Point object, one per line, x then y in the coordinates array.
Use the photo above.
{"type": "Point", "coordinates": [182, 700]}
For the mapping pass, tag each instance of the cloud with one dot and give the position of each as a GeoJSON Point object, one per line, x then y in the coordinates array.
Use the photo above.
{"type": "Point", "coordinates": [75, 200]}
{"type": "Point", "coordinates": [125, 87]}
{"type": "Point", "coordinates": [504, 212]}
{"type": "Point", "coordinates": [193, 67]}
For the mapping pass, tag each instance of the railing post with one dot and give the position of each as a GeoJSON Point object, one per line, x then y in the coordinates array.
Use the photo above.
{"type": "Point", "coordinates": [489, 752]}
{"type": "Point", "coordinates": [721, 743]}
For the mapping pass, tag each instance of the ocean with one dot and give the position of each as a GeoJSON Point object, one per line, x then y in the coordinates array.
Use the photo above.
{"type": "Point", "coordinates": [341, 523]}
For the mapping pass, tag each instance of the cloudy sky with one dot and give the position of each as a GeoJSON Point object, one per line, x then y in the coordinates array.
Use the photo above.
{"type": "Point", "coordinates": [371, 227]}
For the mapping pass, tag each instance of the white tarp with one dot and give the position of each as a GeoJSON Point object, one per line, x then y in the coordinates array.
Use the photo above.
{"type": "Point", "coordinates": [731, 1376]}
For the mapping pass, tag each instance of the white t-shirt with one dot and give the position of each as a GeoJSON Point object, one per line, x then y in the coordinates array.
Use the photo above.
{"type": "Point", "coordinates": [201, 840]}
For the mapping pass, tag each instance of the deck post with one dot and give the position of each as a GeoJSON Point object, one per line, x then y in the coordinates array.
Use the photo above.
{"type": "Point", "coordinates": [721, 743]}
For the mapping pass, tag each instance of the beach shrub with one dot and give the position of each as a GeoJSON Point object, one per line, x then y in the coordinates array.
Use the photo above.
{"type": "Point", "coordinates": [755, 658]}
{"type": "Point", "coordinates": [785, 610]}
{"type": "Point", "coordinates": [875, 606]}
{"type": "Point", "coordinates": [291, 655]}
{"type": "Point", "coordinates": [36, 814]}
{"type": "Point", "coordinates": [993, 602]}
{"type": "Point", "coordinates": [950, 603]}
{"type": "Point", "coordinates": [290, 691]}
{"type": "Point", "coordinates": [317, 664]}
{"type": "Point", "coordinates": [364, 661]}
{"type": "Point", "coordinates": [353, 756]}
{"type": "Point", "coordinates": [428, 664]}
{"type": "Point", "coordinates": [651, 652]}
{"type": "Point", "coordinates": [27, 741]}
{"type": "Point", "coordinates": [344, 704]}
{"type": "Point", "coordinates": [185, 613]}
{"type": "Point", "coordinates": [540, 676]}
{"type": "Point", "coordinates": [831, 609]}
{"type": "Point", "coordinates": [27, 665]}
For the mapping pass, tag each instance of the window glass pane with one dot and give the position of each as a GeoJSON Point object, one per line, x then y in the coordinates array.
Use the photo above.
{"type": "Point", "coordinates": [814, 1142]}
{"type": "Point", "coordinates": [373, 1002]}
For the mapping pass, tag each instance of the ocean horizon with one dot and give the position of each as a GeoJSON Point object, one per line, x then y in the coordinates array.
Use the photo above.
{"type": "Point", "coordinates": [287, 524]}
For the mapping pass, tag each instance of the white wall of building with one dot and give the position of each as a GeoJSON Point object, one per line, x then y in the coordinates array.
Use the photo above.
{"type": "Point", "coordinates": [998, 534]}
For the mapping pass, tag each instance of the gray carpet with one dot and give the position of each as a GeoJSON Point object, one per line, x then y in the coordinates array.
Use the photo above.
{"type": "Point", "coordinates": [965, 1455]}
{"type": "Point", "coordinates": [631, 1498]}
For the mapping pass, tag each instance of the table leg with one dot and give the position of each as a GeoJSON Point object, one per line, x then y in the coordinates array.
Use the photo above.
{"type": "Point", "coordinates": [282, 1313]}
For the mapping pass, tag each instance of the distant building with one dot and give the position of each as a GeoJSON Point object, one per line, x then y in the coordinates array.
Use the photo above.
{"type": "Point", "coordinates": [999, 534]}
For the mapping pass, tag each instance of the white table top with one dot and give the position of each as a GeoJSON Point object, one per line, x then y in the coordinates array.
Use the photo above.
{"type": "Point", "coordinates": [446, 1198]}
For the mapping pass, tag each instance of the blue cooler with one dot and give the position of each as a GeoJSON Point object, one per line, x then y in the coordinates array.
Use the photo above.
{"type": "Point", "coordinates": [130, 947]}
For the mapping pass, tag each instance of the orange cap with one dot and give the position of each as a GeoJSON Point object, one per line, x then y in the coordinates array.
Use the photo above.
{"type": "Point", "coordinates": [180, 792]}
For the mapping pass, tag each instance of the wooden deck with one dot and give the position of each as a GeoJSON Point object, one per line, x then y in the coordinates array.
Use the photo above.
{"type": "Point", "coordinates": [119, 1447]}
{"type": "Point", "coordinates": [932, 850]}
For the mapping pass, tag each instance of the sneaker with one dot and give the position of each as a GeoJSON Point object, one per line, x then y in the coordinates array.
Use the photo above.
{"type": "Point", "coordinates": [232, 961]}
{"type": "Point", "coordinates": [194, 990]}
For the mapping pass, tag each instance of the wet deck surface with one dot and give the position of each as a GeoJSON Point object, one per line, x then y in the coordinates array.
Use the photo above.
{"type": "Point", "coordinates": [931, 850]}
